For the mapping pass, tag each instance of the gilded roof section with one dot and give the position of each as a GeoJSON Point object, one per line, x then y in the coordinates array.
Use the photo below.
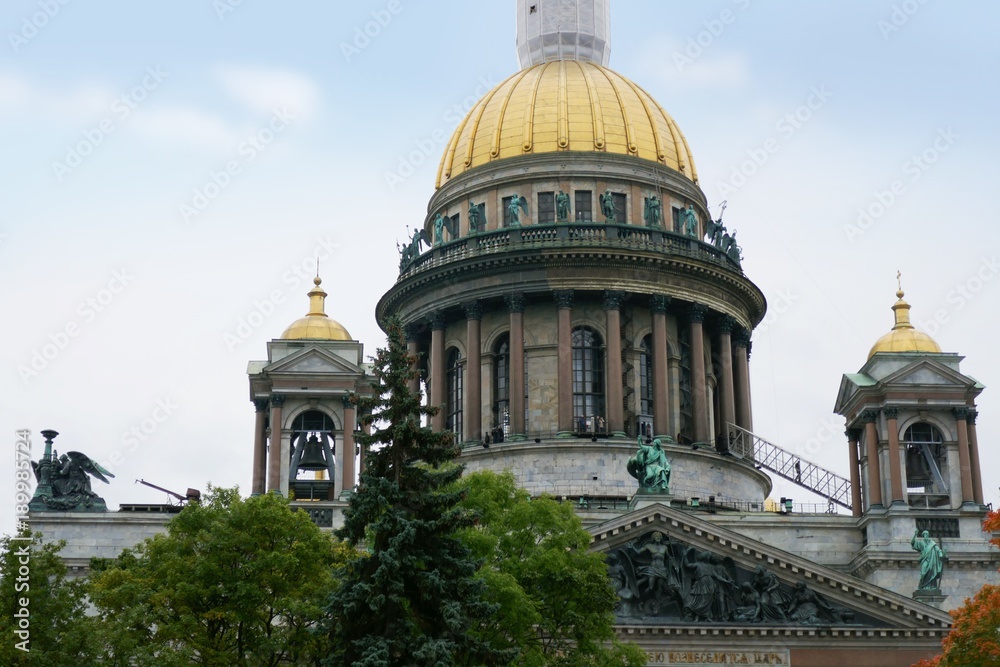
{"type": "Point", "coordinates": [565, 105]}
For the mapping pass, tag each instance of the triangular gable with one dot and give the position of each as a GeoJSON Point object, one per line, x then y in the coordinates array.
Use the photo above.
{"type": "Point", "coordinates": [850, 384]}
{"type": "Point", "coordinates": [314, 361]}
{"type": "Point", "coordinates": [870, 604]}
{"type": "Point", "coordinates": [928, 372]}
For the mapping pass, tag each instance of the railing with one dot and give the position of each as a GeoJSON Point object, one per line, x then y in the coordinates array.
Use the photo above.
{"type": "Point", "coordinates": [792, 467]}
{"type": "Point", "coordinates": [573, 234]}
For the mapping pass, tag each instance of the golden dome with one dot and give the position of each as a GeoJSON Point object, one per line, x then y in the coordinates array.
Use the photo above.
{"type": "Point", "coordinates": [903, 337]}
{"type": "Point", "coordinates": [316, 325]}
{"type": "Point", "coordinates": [566, 105]}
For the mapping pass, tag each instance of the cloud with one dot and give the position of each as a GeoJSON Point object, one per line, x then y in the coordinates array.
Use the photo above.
{"type": "Point", "coordinates": [712, 68]}
{"type": "Point", "coordinates": [265, 89]}
{"type": "Point", "coordinates": [188, 125]}
{"type": "Point", "coordinates": [20, 96]}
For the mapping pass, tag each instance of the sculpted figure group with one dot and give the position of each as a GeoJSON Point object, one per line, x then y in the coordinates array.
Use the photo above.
{"type": "Point", "coordinates": [658, 577]}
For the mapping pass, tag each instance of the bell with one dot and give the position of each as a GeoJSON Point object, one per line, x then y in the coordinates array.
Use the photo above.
{"type": "Point", "coordinates": [312, 455]}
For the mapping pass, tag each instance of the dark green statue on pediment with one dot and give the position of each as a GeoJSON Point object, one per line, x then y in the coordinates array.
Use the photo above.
{"type": "Point", "coordinates": [64, 481]}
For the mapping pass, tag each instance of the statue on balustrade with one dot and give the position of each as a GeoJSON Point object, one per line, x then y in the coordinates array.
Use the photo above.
{"type": "Point", "coordinates": [653, 212]}
{"type": "Point", "coordinates": [608, 206]}
{"type": "Point", "coordinates": [562, 207]}
{"type": "Point", "coordinates": [477, 217]}
{"type": "Point", "coordinates": [689, 221]}
{"type": "Point", "coordinates": [932, 558]}
{"type": "Point", "coordinates": [514, 208]}
{"type": "Point", "coordinates": [411, 251]}
{"type": "Point", "coordinates": [651, 467]}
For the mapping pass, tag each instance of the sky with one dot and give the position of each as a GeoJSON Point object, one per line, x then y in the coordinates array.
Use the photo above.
{"type": "Point", "coordinates": [170, 172]}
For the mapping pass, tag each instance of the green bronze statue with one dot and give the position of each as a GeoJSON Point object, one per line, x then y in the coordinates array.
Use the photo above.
{"type": "Point", "coordinates": [475, 217]}
{"type": "Point", "coordinates": [650, 467]}
{"type": "Point", "coordinates": [652, 212]}
{"type": "Point", "coordinates": [514, 208]}
{"type": "Point", "coordinates": [689, 221]}
{"type": "Point", "coordinates": [608, 206]}
{"type": "Point", "coordinates": [438, 229]}
{"type": "Point", "coordinates": [562, 207]}
{"type": "Point", "coordinates": [932, 559]}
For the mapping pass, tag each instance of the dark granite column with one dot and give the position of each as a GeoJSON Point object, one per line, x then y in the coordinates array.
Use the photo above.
{"type": "Point", "coordinates": [437, 398]}
{"type": "Point", "coordinates": [274, 448]}
{"type": "Point", "coordinates": [613, 378]}
{"type": "Point", "coordinates": [259, 447]}
{"type": "Point", "coordinates": [661, 380]}
{"type": "Point", "coordinates": [874, 469]}
{"type": "Point", "coordinates": [564, 306]}
{"type": "Point", "coordinates": [515, 390]}
{"type": "Point", "coordinates": [473, 398]}
{"type": "Point", "coordinates": [699, 392]}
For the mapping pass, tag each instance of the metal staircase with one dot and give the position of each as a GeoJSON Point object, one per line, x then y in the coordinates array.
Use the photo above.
{"type": "Point", "coordinates": [794, 468]}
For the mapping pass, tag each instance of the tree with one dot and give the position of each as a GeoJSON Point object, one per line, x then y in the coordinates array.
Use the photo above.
{"type": "Point", "coordinates": [974, 640]}
{"type": "Point", "coordinates": [414, 599]}
{"type": "Point", "coordinates": [37, 599]}
{"type": "Point", "coordinates": [232, 582]}
{"type": "Point", "coordinates": [554, 596]}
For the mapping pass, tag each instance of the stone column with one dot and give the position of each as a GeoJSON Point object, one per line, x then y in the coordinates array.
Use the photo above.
{"type": "Point", "coordinates": [413, 349]}
{"type": "Point", "coordinates": [977, 472]}
{"type": "Point", "coordinates": [564, 305]}
{"type": "Point", "coordinates": [437, 398]}
{"type": "Point", "coordinates": [964, 459]}
{"type": "Point", "coordinates": [699, 397]}
{"type": "Point", "coordinates": [274, 447]}
{"type": "Point", "coordinates": [852, 450]}
{"type": "Point", "coordinates": [259, 447]}
{"type": "Point", "coordinates": [347, 472]}
{"type": "Point", "coordinates": [613, 378]}
{"type": "Point", "coordinates": [895, 471]}
{"type": "Point", "coordinates": [515, 304]}
{"type": "Point", "coordinates": [473, 399]}
{"type": "Point", "coordinates": [727, 400]}
{"type": "Point", "coordinates": [874, 470]}
{"type": "Point", "coordinates": [661, 381]}
{"type": "Point", "coordinates": [741, 373]}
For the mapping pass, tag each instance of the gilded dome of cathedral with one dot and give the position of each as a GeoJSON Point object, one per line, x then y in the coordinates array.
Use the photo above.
{"type": "Point", "coordinates": [904, 337]}
{"type": "Point", "coordinates": [316, 325]}
{"type": "Point", "coordinates": [566, 105]}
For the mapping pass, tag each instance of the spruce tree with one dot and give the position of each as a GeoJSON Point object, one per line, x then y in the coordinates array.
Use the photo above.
{"type": "Point", "coordinates": [414, 598]}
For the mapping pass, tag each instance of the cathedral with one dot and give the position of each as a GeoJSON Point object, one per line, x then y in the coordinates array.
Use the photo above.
{"type": "Point", "coordinates": [581, 321]}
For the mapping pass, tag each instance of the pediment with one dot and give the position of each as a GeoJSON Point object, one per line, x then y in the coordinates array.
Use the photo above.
{"type": "Point", "coordinates": [696, 572]}
{"type": "Point", "coordinates": [850, 385]}
{"type": "Point", "coordinates": [927, 372]}
{"type": "Point", "coordinates": [314, 361]}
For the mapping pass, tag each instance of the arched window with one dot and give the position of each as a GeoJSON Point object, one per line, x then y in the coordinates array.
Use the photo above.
{"type": "Point", "coordinates": [588, 381]}
{"type": "Point", "coordinates": [317, 427]}
{"type": "Point", "coordinates": [501, 386]}
{"type": "Point", "coordinates": [455, 380]}
{"type": "Point", "coordinates": [926, 465]}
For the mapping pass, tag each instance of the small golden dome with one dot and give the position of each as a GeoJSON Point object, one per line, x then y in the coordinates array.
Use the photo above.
{"type": "Point", "coordinates": [316, 325]}
{"type": "Point", "coordinates": [904, 337]}
{"type": "Point", "coordinates": [566, 105]}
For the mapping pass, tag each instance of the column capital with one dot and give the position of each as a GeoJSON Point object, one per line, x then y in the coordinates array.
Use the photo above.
{"type": "Point", "coordinates": [613, 299]}
{"type": "Point", "coordinates": [348, 401]}
{"type": "Point", "coordinates": [869, 416]}
{"type": "Point", "coordinates": [277, 400]}
{"type": "Point", "coordinates": [852, 434]}
{"type": "Point", "coordinates": [515, 303]}
{"type": "Point", "coordinates": [725, 325]}
{"type": "Point", "coordinates": [891, 412]}
{"type": "Point", "coordinates": [696, 312]}
{"type": "Point", "coordinates": [961, 414]}
{"type": "Point", "coordinates": [437, 321]}
{"type": "Point", "coordinates": [473, 310]}
{"type": "Point", "coordinates": [658, 303]}
{"type": "Point", "coordinates": [741, 338]}
{"type": "Point", "coordinates": [260, 404]}
{"type": "Point", "coordinates": [564, 298]}
{"type": "Point", "coordinates": [971, 416]}
{"type": "Point", "coordinates": [412, 331]}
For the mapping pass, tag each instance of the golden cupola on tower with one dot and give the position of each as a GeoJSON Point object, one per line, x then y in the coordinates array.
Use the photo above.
{"type": "Point", "coordinates": [566, 105]}
{"type": "Point", "coordinates": [316, 325]}
{"type": "Point", "coordinates": [904, 337]}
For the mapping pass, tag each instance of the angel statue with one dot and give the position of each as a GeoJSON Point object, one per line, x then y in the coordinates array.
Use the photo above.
{"type": "Point", "coordinates": [69, 478]}
{"type": "Point", "coordinates": [652, 212]}
{"type": "Point", "coordinates": [714, 229]}
{"type": "Point", "coordinates": [608, 206]}
{"type": "Point", "coordinates": [689, 221]}
{"type": "Point", "coordinates": [477, 216]}
{"type": "Point", "coordinates": [517, 204]}
{"type": "Point", "coordinates": [650, 467]}
{"type": "Point", "coordinates": [438, 229]}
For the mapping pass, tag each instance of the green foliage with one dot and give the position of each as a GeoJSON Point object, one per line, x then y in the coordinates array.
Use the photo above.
{"type": "Point", "coordinates": [232, 582]}
{"type": "Point", "coordinates": [60, 634]}
{"type": "Point", "coordinates": [413, 599]}
{"type": "Point", "coordinates": [554, 597]}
